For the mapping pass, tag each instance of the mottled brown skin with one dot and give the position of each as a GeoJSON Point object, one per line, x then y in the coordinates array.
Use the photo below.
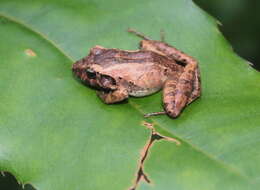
{"type": "Point", "coordinates": [118, 73]}
{"type": "Point", "coordinates": [178, 91]}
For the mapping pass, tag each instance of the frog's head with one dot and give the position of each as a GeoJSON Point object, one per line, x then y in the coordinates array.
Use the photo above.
{"type": "Point", "coordinates": [91, 75]}
{"type": "Point", "coordinates": [99, 80]}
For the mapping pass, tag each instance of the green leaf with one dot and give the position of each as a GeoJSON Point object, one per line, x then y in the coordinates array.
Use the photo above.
{"type": "Point", "coordinates": [56, 134]}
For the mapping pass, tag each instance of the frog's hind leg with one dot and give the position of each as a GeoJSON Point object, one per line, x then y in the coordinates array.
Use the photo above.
{"type": "Point", "coordinates": [139, 34]}
{"type": "Point", "coordinates": [180, 92]}
{"type": "Point", "coordinates": [113, 96]}
{"type": "Point", "coordinates": [173, 105]}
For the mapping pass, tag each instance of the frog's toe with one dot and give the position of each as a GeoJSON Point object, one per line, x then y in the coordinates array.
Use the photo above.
{"type": "Point", "coordinates": [171, 110]}
{"type": "Point", "coordinates": [113, 96]}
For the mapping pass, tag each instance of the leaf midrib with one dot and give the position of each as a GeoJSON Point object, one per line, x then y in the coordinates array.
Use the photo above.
{"type": "Point", "coordinates": [222, 163]}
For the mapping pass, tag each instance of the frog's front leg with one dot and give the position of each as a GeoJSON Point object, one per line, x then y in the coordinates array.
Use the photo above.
{"type": "Point", "coordinates": [111, 97]}
{"type": "Point", "coordinates": [178, 92]}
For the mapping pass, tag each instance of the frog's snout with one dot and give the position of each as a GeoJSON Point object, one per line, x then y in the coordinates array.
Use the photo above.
{"type": "Point", "coordinates": [78, 66]}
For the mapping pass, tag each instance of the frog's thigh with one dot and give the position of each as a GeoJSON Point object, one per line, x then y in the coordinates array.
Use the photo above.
{"type": "Point", "coordinates": [113, 96]}
{"type": "Point", "coordinates": [178, 91]}
{"type": "Point", "coordinates": [169, 93]}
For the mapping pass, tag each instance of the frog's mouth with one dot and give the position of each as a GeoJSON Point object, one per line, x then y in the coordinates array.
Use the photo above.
{"type": "Point", "coordinates": [100, 81]}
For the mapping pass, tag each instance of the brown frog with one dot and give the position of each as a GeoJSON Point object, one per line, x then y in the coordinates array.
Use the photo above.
{"type": "Point", "coordinates": [118, 74]}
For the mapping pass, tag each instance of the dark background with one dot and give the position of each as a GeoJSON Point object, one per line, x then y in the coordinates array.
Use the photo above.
{"type": "Point", "coordinates": [241, 26]}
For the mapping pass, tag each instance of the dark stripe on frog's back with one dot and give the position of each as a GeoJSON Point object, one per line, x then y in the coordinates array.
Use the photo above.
{"type": "Point", "coordinates": [115, 56]}
{"type": "Point", "coordinates": [116, 60]}
{"type": "Point", "coordinates": [167, 62]}
{"type": "Point", "coordinates": [106, 53]}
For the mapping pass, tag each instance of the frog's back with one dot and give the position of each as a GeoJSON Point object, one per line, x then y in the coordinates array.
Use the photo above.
{"type": "Point", "coordinates": [142, 72]}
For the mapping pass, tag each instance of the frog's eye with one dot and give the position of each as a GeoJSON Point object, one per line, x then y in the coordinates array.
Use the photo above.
{"type": "Point", "coordinates": [91, 74]}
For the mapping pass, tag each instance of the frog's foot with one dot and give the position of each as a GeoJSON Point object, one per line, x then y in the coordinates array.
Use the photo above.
{"type": "Point", "coordinates": [154, 114]}
{"type": "Point", "coordinates": [139, 34]}
{"type": "Point", "coordinates": [113, 96]}
{"type": "Point", "coordinates": [177, 93]}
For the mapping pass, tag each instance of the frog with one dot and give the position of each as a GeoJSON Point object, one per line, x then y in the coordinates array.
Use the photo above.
{"type": "Point", "coordinates": [117, 74]}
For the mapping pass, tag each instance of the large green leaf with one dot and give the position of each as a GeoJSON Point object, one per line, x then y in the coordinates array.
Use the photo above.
{"type": "Point", "coordinates": [56, 134]}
